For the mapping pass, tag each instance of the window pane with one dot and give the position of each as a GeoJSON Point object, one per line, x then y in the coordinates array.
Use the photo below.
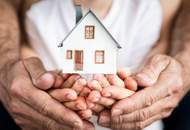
{"type": "Point", "coordinates": [99, 57]}
{"type": "Point", "coordinates": [69, 54]}
{"type": "Point", "coordinates": [89, 32]}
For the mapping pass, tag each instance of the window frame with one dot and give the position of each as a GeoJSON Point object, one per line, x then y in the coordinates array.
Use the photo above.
{"type": "Point", "coordinates": [103, 56]}
{"type": "Point", "coordinates": [69, 57]}
{"type": "Point", "coordinates": [88, 32]}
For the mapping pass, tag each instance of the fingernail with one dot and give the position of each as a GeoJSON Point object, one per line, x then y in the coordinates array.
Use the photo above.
{"type": "Point", "coordinates": [70, 97]}
{"type": "Point", "coordinates": [47, 80]}
{"type": "Point", "coordinates": [116, 112]}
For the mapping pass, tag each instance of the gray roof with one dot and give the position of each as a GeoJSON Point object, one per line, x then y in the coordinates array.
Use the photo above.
{"type": "Point", "coordinates": [90, 12]}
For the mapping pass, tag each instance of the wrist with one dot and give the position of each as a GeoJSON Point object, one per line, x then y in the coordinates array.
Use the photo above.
{"type": "Point", "coordinates": [183, 59]}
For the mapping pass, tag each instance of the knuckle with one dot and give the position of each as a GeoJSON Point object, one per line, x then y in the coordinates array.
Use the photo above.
{"type": "Point", "coordinates": [44, 108]}
{"type": "Point", "coordinates": [142, 115]}
{"type": "Point", "coordinates": [15, 109]}
{"type": "Point", "coordinates": [49, 125]}
{"type": "Point", "coordinates": [150, 100]}
{"type": "Point", "coordinates": [117, 120]}
{"type": "Point", "coordinates": [139, 126]}
{"type": "Point", "coordinates": [15, 87]}
{"type": "Point", "coordinates": [115, 126]}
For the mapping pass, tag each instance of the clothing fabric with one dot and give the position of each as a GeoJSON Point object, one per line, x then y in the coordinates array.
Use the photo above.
{"type": "Point", "coordinates": [135, 24]}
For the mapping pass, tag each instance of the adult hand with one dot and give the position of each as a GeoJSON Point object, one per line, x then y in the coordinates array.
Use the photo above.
{"type": "Point", "coordinates": [163, 78]}
{"type": "Point", "coordinates": [31, 107]}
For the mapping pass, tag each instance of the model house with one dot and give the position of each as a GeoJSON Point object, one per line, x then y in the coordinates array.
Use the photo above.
{"type": "Point", "coordinates": [89, 48]}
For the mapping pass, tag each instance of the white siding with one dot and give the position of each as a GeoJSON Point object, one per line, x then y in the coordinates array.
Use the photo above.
{"type": "Point", "coordinates": [102, 41]}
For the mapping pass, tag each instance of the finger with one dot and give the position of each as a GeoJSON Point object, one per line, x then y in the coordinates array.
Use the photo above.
{"type": "Point", "coordinates": [63, 95]}
{"type": "Point", "coordinates": [104, 118]}
{"type": "Point", "coordinates": [40, 77]}
{"type": "Point", "coordinates": [107, 102]}
{"type": "Point", "coordinates": [101, 79]}
{"type": "Point", "coordinates": [79, 85]}
{"type": "Point", "coordinates": [58, 81]}
{"type": "Point", "coordinates": [135, 125]}
{"type": "Point", "coordinates": [65, 76]}
{"type": "Point", "coordinates": [70, 81]}
{"type": "Point", "coordinates": [144, 98]}
{"type": "Point", "coordinates": [151, 71]}
{"type": "Point", "coordinates": [158, 108]}
{"type": "Point", "coordinates": [43, 103]}
{"type": "Point", "coordinates": [94, 96]}
{"type": "Point", "coordinates": [94, 85]}
{"type": "Point", "coordinates": [130, 84]}
{"type": "Point", "coordinates": [97, 108]}
{"type": "Point", "coordinates": [123, 73]}
{"type": "Point", "coordinates": [148, 96]}
{"type": "Point", "coordinates": [79, 104]}
{"type": "Point", "coordinates": [117, 93]}
{"type": "Point", "coordinates": [89, 104]}
{"type": "Point", "coordinates": [85, 92]}
{"type": "Point", "coordinates": [115, 80]}
{"type": "Point", "coordinates": [85, 114]}
{"type": "Point", "coordinates": [27, 115]}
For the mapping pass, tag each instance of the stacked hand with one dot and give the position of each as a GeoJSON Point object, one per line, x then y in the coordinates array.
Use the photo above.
{"type": "Point", "coordinates": [38, 99]}
{"type": "Point", "coordinates": [92, 97]}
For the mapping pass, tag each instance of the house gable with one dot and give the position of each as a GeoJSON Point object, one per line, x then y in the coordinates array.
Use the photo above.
{"type": "Point", "coordinates": [90, 19]}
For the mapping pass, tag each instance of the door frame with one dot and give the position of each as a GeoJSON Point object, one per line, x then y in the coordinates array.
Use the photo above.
{"type": "Point", "coordinates": [78, 66]}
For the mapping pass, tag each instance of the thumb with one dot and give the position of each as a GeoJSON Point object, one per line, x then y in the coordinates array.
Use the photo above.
{"type": "Point", "coordinates": [151, 71]}
{"type": "Point", "coordinates": [39, 76]}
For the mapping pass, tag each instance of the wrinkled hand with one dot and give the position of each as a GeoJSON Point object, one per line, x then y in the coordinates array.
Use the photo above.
{"type": "Point", "coordinates": [22, 93]}
{"type": "Point", "coordinates": [163, 78]}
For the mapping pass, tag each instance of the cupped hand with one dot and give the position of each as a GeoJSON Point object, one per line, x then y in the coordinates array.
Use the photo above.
{"type": "Point", "coordinates": [22, 93]}
{"type": "Point", "coordinates": [162, 78]}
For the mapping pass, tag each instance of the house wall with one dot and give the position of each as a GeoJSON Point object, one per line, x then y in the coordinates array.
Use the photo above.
{"type": "Point", "coordinates": [102, 41]}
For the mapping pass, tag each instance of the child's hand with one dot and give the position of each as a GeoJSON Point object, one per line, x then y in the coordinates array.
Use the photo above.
{"type": "Point", "coordinates": [111, 88]}
{"type": "Point", "coordinates": [93, 97]}
{"type": "Point", "coordinates": [72, 93]}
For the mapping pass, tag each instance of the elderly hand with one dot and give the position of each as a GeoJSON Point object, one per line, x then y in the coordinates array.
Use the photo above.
{"type": "Point", "coordinates": [163, 78]}
{"type": "Point", "coordinates": [22, 93]}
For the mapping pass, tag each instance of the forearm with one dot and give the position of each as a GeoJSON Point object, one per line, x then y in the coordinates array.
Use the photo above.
{"type": "Point", "coordinates": [182, 28]}
{"type": "Point", "coordinates": [9, 34]}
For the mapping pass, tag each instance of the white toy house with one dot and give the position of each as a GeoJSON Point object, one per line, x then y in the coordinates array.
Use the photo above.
{"type": "Point", "coordinates": [89, 48]}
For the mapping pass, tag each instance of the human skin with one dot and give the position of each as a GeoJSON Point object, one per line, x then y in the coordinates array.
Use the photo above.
{"type": "Point", "coordinates": [14, 75]}
{"type": "Point", "coordinates": [14, 53]}
{"type": "Point", "coordinates": [165, 80]}
{"type": "Point", "coordinates": [22, 83]}
{"type": "Point", "coordinates": [159, 48]}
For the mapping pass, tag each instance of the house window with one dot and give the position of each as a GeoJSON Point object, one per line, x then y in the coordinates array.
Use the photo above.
{"type": "Point", "coordinates": [99, 57]}
{"type": "Point", "coordinates": [89, 32]}
{"type": "Point", "coordinates": [69, 54]}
